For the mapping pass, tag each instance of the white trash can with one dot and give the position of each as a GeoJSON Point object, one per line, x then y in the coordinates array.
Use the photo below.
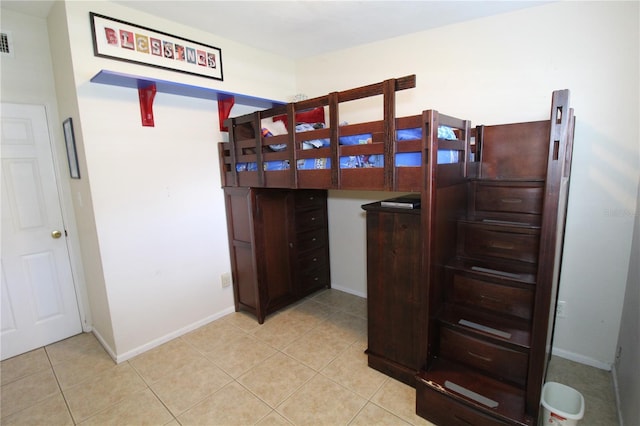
{"type": "Point", "coordinates": [562, 405]}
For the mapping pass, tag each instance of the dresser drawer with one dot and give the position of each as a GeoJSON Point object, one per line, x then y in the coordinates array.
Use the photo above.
{"type": "Point", "coordinates": [317, 258]}
{"type": "Point", "coordinates": [508, 199]}
{"type": "Point", "coordinates": [502, 299]}
{"type": "Point", "coordinates": [310, 199]}
{"type": "Point", "coordinates": [314, 278]}
{"type": "Point", "coordinates": [311, 219]}
{"type": "Point", "coordinates": [312, 270]}
{"type": "Point", "coordinates": [443, 410]}
{"type": "Point", "coordinates": [479, 240]}
{"type": "Point", "coordinates": [312, 239]}
{"type": "Point", "coordinates": [496, 360]}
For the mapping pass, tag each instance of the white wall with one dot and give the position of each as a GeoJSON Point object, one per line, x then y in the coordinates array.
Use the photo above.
{"type": "Point", "coordinates": [155, 191]}
{"type": "Point", "coordinates": [503, 69]}
{"type": "Point", "coordinates": [347, 235]}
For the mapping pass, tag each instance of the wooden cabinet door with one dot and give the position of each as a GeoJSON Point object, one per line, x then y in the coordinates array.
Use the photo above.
{"type": "Point", "coordinates": [241, 248]}
{"type": "Point", "coordinates": [273, 210]}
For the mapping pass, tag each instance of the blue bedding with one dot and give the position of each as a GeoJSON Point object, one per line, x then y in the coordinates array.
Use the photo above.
{"type": "Point", "coordinates": [444, 132]}
{"type": "Point", "coordinates": [268, 165]}
{"type": "Point", "coordinates": [404, 159]}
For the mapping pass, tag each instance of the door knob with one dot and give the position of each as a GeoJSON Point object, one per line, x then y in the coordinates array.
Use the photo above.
{"type": "Point", "coordinates": [56, 234]}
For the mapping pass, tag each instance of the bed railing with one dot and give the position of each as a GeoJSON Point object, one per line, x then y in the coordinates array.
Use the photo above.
{"type": "Point", "coordinates": [379, 161]}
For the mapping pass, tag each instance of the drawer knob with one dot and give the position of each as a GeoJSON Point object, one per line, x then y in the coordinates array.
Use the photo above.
{"type": "Point", "coordinates": [500, 245]}
{"type": "Point", "coordinates": [480, 357]}
{"type": "Point", "coordinates": [490, 299]}
{"type": "Point", "coordinates": [315, 259]}
{"type": "Point", "coordinates": [511, 200]}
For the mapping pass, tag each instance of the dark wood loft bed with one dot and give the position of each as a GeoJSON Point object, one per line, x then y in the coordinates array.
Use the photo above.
{"type": "Point", "coordinates": [469, 323]}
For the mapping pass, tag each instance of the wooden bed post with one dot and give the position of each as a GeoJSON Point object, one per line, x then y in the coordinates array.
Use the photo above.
{"type": "Point", "coordinates": [257, 127]}
{"type": "Point", "coordinates": [231, 124]}
{"type": "Point", "coordinates": [551, 242]}
{"type": "Point", "coordinates": [389, 130]}
{"type": "Point", "coordinates": [335, 137]}
{"type": "Point", "coordinates": [467, 148]}
{"type": "Point", "coordinates": [478, 154]}
{"type": "Point", "coordinates": [293, 149]}
{"type": "Point", "coordinates": [427, 219]}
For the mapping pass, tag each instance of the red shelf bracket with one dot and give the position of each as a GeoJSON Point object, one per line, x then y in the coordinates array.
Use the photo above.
{"type": "Point", "coordinates": [146, 95]}
{"type": "Point", "coordinates": [224, 109]}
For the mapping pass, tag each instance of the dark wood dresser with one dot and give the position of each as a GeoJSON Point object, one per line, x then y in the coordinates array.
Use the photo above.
{"type": "Point", "coordinates": [394, 291]}
{"type": "Point", "coordinates": [279, 246]}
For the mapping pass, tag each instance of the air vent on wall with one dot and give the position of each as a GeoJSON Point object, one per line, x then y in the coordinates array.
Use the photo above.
{"type": "Point", "coordinates": [6, 43]}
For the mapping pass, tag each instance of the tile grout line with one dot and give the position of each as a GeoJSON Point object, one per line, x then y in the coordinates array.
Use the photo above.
{"type": "Point", "coordinates": [64, 397]}
{"type": "Point", "coordinates": [316, 372]}
{"type": "Point", "coordinates": [152, 391]}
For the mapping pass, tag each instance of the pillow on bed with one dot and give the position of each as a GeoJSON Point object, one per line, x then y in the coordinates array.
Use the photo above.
{"type": "Point", "coordinates": [274, 127]}
{"type": "Point", "coordinates": [315, 115]}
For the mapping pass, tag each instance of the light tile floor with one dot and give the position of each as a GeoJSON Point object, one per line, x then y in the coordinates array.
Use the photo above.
{"type": "Point", "coordinates": [303, 366]}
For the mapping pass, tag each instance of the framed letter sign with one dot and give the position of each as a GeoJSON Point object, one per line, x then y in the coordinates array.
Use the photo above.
{"type": "Point", "coordinates": [124, 41]}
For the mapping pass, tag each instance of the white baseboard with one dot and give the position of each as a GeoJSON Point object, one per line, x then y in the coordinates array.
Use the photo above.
{"type": "Point", "coordinates": [348, 290]}
{"type": "Point", "coordinates": [118, 358]}
{"type": "Point", "coordinates": [616, 392]}
{"type": "Point", "coordinates": [572, 356]}
{"type": "Point", "coordinates": [104, 344]}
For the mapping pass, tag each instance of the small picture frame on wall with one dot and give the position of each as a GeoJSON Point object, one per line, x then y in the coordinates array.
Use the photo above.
{"type": "Point", "coordinates": [70, 143]}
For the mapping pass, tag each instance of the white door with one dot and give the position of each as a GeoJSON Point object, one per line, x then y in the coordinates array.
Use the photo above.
{"type": "Point", "coordinates": [39, 304]}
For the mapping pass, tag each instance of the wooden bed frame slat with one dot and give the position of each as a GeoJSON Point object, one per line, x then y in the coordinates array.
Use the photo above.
{"type": "Point", "coordinates": [247, 145]}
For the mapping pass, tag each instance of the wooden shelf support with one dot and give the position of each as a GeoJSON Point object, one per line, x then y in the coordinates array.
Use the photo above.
{"type": "Point", "coordinates": [146, 95]}
{"type": "Point", "coordinates": [225, 103]}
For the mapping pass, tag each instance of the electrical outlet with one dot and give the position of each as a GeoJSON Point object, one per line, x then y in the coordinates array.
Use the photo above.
{"type": "Point", "coordinates": [561, 309]}
{"type": "Point", "coordinates": [226, 279]}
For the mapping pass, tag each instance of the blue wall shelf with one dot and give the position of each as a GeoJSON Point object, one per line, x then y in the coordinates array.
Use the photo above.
{"type": "Point", "coordinates": [147, 88]}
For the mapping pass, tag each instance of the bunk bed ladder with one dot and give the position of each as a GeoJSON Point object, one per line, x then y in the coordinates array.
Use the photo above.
{"type": "Point", "coordinates": [492, 304]}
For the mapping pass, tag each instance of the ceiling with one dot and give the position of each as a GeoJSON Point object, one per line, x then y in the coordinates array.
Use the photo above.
{"type": "Point", "coordinates": [302, 28]}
